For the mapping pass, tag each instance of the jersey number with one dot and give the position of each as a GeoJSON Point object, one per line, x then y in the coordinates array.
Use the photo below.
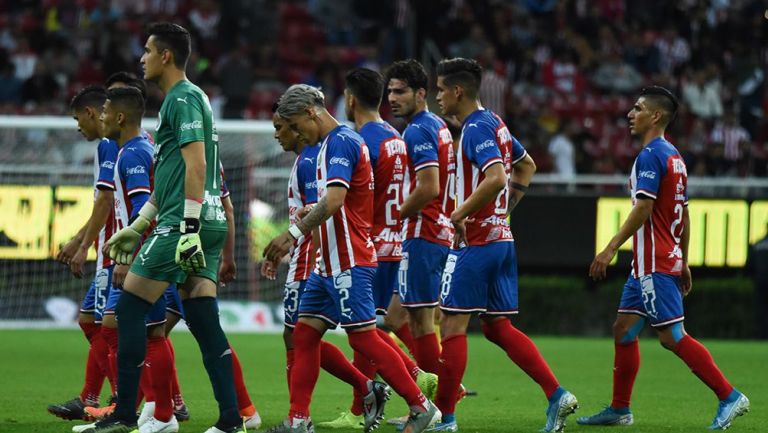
{"type": "Point", "coordinates": [393, 203]}
{"type": "Point", "coordinates": [676, 222]}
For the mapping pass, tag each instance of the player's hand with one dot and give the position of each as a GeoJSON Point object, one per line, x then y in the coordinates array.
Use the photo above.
{"type": "Point", "coordinates": [122, 245]}
{"type": "Point", "coordinates": [189, 253]}
{"type": "Point", "coordinates": [301, 213]}
{"type": "Point", "coordinates": [77, 261]}
{"type": "Point", "coordinates": [269, 270]}
{"type": "Point", "coordinates": [460, 228]}
{"type": "Point", "coordinates": [599, 265]}
{"type": "Point", "coordinates": [118, 275]}
{"type": "Point", "coordinates": [686, 281]}
{"type": "Point", "coordinates": [278, 247]}
{"type": "Point", "coordinates": [67, 251]}
{"type": "Point", "coordinates": [227, 270]}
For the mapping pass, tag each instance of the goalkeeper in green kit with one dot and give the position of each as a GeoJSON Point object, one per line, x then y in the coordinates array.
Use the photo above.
{"type": "Point", "coordinates": [185, 245]}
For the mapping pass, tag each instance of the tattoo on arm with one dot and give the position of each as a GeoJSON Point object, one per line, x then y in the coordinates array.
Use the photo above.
{"type": "Point", "coordinates": [512, 202]}
{"type": "Point", "coordinates": [316, 216]}
{"type": "Point", "coordinates": [520, 186]}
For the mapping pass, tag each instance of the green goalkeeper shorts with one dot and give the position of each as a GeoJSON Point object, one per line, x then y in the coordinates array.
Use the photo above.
{"type": "Point", "coordinates": [157, 258]}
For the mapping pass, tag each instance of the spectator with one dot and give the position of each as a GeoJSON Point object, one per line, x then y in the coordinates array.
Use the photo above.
{"type": "Point", "coordinates": [40, 88]}
{"type": "Point", "coordinates": [562, 74]}
{"type": "Point", "coordinates": [703, 96]}
{"type": "Point", "coordinates": [673, 50]}
{"type": "Point", "coordinates": [617, 76]}
{"type": "Point", "coordinates": [563, 151]}
{"type": "Point", "coordinates": [493, 87]}
{"type": "Point", "coordinates": [733, 139]}
{"type": "Point", "coordinates": [10, 87]}
{"type": "Point", "coordinates": [24, 59]}
{"type": "Point", "coordinates": [205, 19]}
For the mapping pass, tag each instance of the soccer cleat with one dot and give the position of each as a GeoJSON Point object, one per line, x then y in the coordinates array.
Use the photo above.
{"type": "Point", "coordinates": [736, 404]}
{"type": "Point", "coordinates": [253, 421]}
{"type": "Point", "coordinates": [235, 429]}
{"type": "Point", "coordinates": [181, 413]}
{"type": "Point", "coordinates": [345, 420]}
{"type": "Point", "coordinates": [111, 425]}
{"type": "Point", "coordinates": [146, 412]}
{"type": "Point", "coordinates": [70, 410]}
{"type": "Point", "coordinates": [445, 426]}
{"type": "Point", "coordinates": [83, 427]}
{"type": "Point", "coordinates": [559, 410]}
{"type": "Point", "coordinates": [373, 405]}
{"type": "Point", "coordinates": [153, 425]}
{"type": "Point", "coordinates": [297, 426]}
{"type": "Point", "coordinates": [398, 422]}
{"type": "Point", "coordinates": [421, 421]}
{"type": "Point", "coordinates": [607, 416]}
{"type": "Point", "coordinates": [427, 383]}
{"type": "Point", "coordinates": [99, 413]}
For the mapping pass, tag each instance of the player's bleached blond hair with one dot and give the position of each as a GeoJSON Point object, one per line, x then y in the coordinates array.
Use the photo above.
{"type": "Point", "coordinates": [297, 98]}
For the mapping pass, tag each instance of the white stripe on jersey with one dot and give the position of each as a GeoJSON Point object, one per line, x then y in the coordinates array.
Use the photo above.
{"type": "Point", "coordinates": [653, 246]}
{"type": "Point", "coordinates": [295, 203]}
{"type": "Point", "coordinates": [347, 239]}
{"type": "Point", "coordinates": [640, 253]}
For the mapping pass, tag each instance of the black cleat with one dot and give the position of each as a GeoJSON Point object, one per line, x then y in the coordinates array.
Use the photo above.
{"type": "Point", "coordinates": [70, 410]}
{"type": "Point", "coordinates": [112, 424]}
{"type": "Point", "coordinates": [181, 413]}
{"type": "Point", "coordinates": [373, 405]}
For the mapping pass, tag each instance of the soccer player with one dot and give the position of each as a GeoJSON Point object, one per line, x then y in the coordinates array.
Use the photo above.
{"type": "Point", "coordinates": [493, 172]}
{"type": "Point", "coordinates": [428, 200]}
{"type": "Point", "coordinates": [660, 229]}
{"type": "Point", "coordinates": [86, 107]}
{"type": "Point", "coordinates": [363, 94]}
{"type": "Point", "coordinates": [339, 291]}
{"type": "Point", "coordinates": [185, 246]}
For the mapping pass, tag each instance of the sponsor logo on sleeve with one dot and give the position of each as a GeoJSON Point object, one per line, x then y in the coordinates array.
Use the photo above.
{"type": "Point", "coordinates": [195, 124]}
{"type": "Point", "coordinates": [487, 144]}
{"type": "Point", "coordinates": [338, 160]}
{"type": "Point", "coordinates": [648, 174]}
{"type": "Point", "coordinates": [108, 165]}
{"type": "Point", "coordinates": [423, 147]}
{"type": "Point", "coordinates": [139, 169]}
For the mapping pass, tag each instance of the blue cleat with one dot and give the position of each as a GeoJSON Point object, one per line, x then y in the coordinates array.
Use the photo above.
{"type": "Point", "coordinates": [736, 404]}
{"type": "Point", "coordinates": [445, 426]}
{"type": "Point", "coordinates": [561, 404]}
{"type": "Point", "coordinates": [608, 416]}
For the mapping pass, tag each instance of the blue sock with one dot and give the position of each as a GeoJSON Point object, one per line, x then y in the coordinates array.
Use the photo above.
{"type": "Point", "coordinates": [449, 418]}
{"type": "Point", "coordinates": [620, 410]}
{"type": "Point", "coordinates": [732, 396]}
{"type": "Point", "coordinates": [556, 395]}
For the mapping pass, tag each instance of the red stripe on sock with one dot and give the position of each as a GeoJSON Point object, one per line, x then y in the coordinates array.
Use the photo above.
{"type": "Point", "coordinates": [427, 352]}
{"type": "Point", "coordinates": [523, 352]}
{"type": "Point", "coordinates": [306, 368]}
{"type": "Point", "coordinates": [700, 361]}
{"type": "Point", "coordinates": [626, 363]}
{"type": "Point", "coordinates": [370, 345]}
{"type": "Point", "coordinates": [453, 362]}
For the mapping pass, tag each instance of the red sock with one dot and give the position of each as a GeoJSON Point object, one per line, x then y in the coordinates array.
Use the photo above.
{"type": "Point", "coordinates": [145, 385]}
{"type": "Point", "coordinates": [626, 363]}
{"type": "Point", "coordinates": [522, 352]}
{"type": "Point", "coordinates": [110, 338]}
{"type": "Point", "coordinates": [101, 351]}
{"type": "Point", "coordinates": [288, 367]}
{"type": "Point", "coordinates": [384, 357]}
{"type": "Point", "coordinates": [178, 400]}
{"type": "Point", "coordinates": [333, 360]}
{"type": "Point", "coordinates": [409, 364]}
{"type": "Point", "coordinates": [244, 403]}
{"type": "Point", "coordinates": [404, 334]}
{"type": "Point", "coordinates": [453, 362]}
{"type": "Point", "coordinates": [306, 368]}
{"type": "Point", "coordinates": [161, 362]}
{"type": "Point", "coordinates": [427, 352]}
{"type": "Point", "coordinates": [700, 361]}
{"type": "Point", "coordinates": [368, 369]}
{"type": "Point", "coordinates": [94, 375]}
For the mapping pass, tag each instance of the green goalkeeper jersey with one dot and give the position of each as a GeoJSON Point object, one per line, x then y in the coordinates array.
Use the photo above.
{"type": "Point", "coordinates": [186, 117]}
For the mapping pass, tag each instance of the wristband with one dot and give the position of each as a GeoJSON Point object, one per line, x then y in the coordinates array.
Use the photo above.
{"type": "Point", "coordinates": [192, 208]}
{"type": "Point", "coordinates": [520, 186]}
{"type": "Point", "coordinates": [146, 215]}
{"type": "Point", "coordinates": [189, 225]}
{"type": "Point", "coordinates": [295, 231]}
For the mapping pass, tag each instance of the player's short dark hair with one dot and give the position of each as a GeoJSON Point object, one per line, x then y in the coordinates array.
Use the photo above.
{"type": "Point", "coordinates": [410, 71]}
{"type": "Point", "coordinates": [127, 100]}
{"type": "Point", "coordinates": [660, 98]}
{"type": "Point", "coordinates": [128, 78]}
{"type": "Point", "coordinates": [367, 86]}
{"type": "Point", "coordinates": [89, 96]}
{"type": "Point", "coordinates": [458, 71]}
{"type": "Point", "coordinates": [173, 37]}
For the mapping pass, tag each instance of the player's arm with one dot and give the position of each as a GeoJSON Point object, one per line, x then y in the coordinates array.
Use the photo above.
{"type": "Point", "coordinates": [189, 250]}
{"type": "Point", "coordinates": [122, 245]}
{"type": "Point", "coordinates": [105, 202]}
{"type": "Point", "coordinates": [495, 180]}
{"type": "Point", "coordinates": [228, 268]}
{"type": "Point", "coordinates": [427, 188]}
{"type": "Point", "coordinates": [637, 217]}
{"type": "Point", "coordinates": [522, 173]}
{"type": "Point", "coordinates": [686, 283]}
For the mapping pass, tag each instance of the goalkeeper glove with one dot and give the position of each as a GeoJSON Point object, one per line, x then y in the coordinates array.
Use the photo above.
{"type": "Point", "coordinates": [122, 245]}
{"type": "Point", "coordinates": [189, 250]}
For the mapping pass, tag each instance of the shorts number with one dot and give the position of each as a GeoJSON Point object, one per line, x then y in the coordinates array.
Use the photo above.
{"type": "Point", "coordinates": [445, 286]}
{"type": "Point", "coordinates": [291, 297]}
{"type": "Point", "coordinates": [649, 295]}
{"type": "Point", "coordinates": [342, 282]}
{"type": "Point", "coordinates": [402, 276]}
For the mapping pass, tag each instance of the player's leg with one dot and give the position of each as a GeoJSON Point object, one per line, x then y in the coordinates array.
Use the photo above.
{"type": "Point", "coordinates": [663, 301]}
{"type": "Point", "coordinates": [396, 320]}
{"type": "Point", "coordinates": [630, 321]}
{"type": "Point", "coordinates": [174, 312]}
{"type": "Point", "coordinates": [421, 271]}
{"type": "Point", "coordinates": [291, 294]}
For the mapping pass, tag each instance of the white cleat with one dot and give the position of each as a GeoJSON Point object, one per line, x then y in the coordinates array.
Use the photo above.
{"type": "Point", "coordinates": [153, 425]}
{"type": "Point", "coordinates": [83, 427]}
{"type": "Point", "coordinates": [147, 412]}
{"type": "Point", "coordinates": [253, 421]}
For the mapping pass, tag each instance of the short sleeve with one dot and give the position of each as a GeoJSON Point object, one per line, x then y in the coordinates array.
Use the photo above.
{"type": "Point", "coordinates": [480, 146]}
{"type": "Point", "coordinates": [188, 116]}
{"type": "Point", "coordinates": [107, 156]}
{"type": "Point", "coordinates": [307, 181]}
{"type": "Point", "coordinates": [648, 172]}
{"type": "Point", "coordinates": [422, 147]}
{"type": "Point", "coordinates": [223, 190]}
{"type": "Point", "coordinates": [518, 151]}
{"type": "Point", "coordinates": [342, 155]}
{"type": "Point", "coordinates": [135, 172]}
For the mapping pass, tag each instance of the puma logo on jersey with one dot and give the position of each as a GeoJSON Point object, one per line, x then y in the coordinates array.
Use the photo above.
{"type": "Point", "coordinates": [184, 99]}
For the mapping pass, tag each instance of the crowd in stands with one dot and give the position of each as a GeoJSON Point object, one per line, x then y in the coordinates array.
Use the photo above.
{"type": "Point", "coordinates": [563, 74]}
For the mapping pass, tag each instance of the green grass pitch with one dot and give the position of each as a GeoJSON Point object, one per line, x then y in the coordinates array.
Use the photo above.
{"type": "Point", "coordinates": [42, 367]}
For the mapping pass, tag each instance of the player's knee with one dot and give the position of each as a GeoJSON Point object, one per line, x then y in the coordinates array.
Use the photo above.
{"type": "Point", "coordinates": [625, 333]}
{"type": "Point", "coordinates": [288, 338]}
{"type": "Point", "coordinates": [453, 324]}
{"type": "Point", "coordinates": [392, 322]}
{"type": "Point", "coordinates": [671, 335]}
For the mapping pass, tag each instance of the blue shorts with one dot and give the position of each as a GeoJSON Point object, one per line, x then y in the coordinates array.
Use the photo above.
{"type": "Point", "coordinates": [345, 298]}
{"type": "Point", "coordinates": [156, 314]}
{"type": "Point", "coordinates": [420, 271]}
{"type": "Point", "coordinates": [96, 297]}
{"type": "Point", "coordinates": [481, 279]}
{"type": "Point", "coordinates": [656, 297]}
{"type": "Point", "coordinates": [173, 301]}
{"type": "Point", "coordinates": [291, 296]}
{"type": "Point", "coordinates": [385, 285]}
